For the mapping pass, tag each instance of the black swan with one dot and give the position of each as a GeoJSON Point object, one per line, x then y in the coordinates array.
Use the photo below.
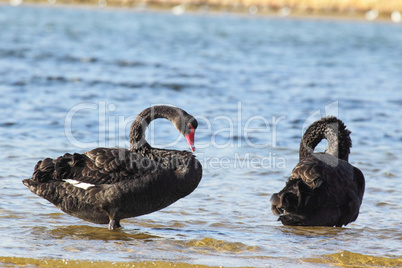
{"type": "Point", "coordinates": [323, 189]}
{"type": "Point", "coordinates": [105, 185]}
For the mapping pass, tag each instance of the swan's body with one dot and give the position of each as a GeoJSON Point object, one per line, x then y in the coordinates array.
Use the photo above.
{"type": "Point", "coordinates": [323, 189]}
{"type": "Point", "coordinates": [105, 185]}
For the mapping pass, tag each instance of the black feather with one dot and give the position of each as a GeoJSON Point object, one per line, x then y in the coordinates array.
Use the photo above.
{"type": "Point", "coordinates": [323, 189]}
{"type": "Point", "coordinates": [112, 184]}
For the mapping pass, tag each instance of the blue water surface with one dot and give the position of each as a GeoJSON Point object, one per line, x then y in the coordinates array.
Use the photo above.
{"type": "Point", "coordinates": [72, 79]}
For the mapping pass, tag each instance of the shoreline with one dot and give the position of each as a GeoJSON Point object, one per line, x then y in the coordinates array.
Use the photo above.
{"type": "Point", "coordinates": [203, 8]}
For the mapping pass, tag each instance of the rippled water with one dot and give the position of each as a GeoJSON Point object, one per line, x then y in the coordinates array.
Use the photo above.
{"type": "Point", "coordinates": [74, 78]}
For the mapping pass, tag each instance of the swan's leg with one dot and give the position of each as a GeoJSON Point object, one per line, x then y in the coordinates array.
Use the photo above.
{"type": "Point", "coordinates": [114, 219]}
{"type": "Point", "coordinates": [113, 224]}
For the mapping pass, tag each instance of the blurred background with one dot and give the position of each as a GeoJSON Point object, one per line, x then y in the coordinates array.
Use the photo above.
{"type": "Point", "coordinates": [368, 9]}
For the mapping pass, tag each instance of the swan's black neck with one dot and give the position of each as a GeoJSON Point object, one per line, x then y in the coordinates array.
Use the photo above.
{"type": "Point", "coordinates": [141, 122]}
{"type": "Point", "coordinates": [331, 129]}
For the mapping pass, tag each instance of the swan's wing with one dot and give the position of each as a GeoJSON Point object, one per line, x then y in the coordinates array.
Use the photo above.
{"type": "Point", "coordinates": [98, 166]}
{"type": "Point", "coordinates": [332, 184]}
{"type": "Point", "coordinates": [320, 193]}
{"type": "Point", "coordinates": [106, 185]}
{"type": "Point", "coordinates": [360, 181]}
{"type": "Point", "coordinates": [355, 195]}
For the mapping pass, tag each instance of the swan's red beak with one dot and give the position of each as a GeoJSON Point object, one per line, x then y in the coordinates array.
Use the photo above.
{"type": "Point", "coordinates": [190, 138]}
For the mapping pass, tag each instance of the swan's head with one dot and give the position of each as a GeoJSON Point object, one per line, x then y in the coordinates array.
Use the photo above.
{"type": "Point", "coordinates": [187, 126]}
{"type": "Point", "coordinates": [185, 123]}
{"type": "Point", "coordinates": [190, 127]}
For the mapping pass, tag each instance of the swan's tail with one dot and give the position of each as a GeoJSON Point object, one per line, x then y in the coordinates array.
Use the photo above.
{"type": "Point", "coordinates": [334, 131]}
{"type": "Point", "coordinates": [48, 170]}
{"type": "Point", "coordinates": [43, 172]}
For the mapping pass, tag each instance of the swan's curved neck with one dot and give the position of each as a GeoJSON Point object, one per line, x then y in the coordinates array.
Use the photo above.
{"type": "Point", "coordinates": [141, 122]}
{"type": "Point", "coordinates": [331, 129]}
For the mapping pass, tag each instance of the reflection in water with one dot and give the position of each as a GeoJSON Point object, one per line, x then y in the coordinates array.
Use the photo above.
{"type": "Point", "coordinates": [94, 233]}
{"type": "Point", "coordinates": [312, 231]}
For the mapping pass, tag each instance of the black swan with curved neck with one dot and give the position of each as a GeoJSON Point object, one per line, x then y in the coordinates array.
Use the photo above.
{"type": "Point", "coordinates": [323, 189]}
{"type": "Point", "coordinates": [105, 185]}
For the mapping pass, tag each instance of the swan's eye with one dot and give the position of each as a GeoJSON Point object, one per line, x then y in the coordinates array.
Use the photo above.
{"type": "Point", "coordinates": [189, 127]}
{"type": "Point", "coordinates": [192, 123]}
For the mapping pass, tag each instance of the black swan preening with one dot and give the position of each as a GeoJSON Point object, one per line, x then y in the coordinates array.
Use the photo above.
{"type": "Point", "coordinates": [105, 185]}
{"type": "Point", "coordinates": [323, 189]}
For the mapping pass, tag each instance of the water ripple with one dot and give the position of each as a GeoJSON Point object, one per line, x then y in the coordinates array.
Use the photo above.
{"type": "Point", "coordinates": [250, 82]}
